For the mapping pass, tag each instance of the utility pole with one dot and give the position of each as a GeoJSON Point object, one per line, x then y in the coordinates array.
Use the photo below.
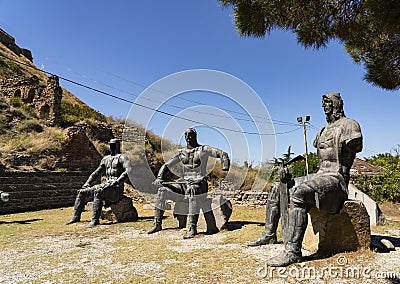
{"type": "Point", "coordinates": [304, 123]}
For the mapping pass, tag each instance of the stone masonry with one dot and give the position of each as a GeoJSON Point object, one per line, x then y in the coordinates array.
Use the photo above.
{"type": "Point", "coordinates": [30, 191]}
{"type": "Point", "coordinates": [46, 100]}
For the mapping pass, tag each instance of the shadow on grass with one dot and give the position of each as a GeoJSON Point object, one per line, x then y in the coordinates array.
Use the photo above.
{"type": "Point", "coordinates": [379, 246]}
{"type": "Point", "coordinates": [22, 222]}
{"type": "Point", "coordinates": [376, 244]}
{"type": "Point", "coordinates": [395, 280]}
{"type": "Point", "coordinates": [237, 225]}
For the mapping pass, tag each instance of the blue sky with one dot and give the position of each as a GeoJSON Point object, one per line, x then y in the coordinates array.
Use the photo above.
{"type": "Point", "coordinates": [123, 47]}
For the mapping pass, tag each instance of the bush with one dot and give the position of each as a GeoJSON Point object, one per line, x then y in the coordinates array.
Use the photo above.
{"type": "Point", "coordinates": [16, 102]}
{"type": "Point", "coordinates": [7, 65]}
{"type": "Point", "coordinates": [29, 110]}
{"type": "Point", "coordinates": [30, 125]}
{"type": "Point", "coordinates": [385, 186]}
{"type": "Point", "coordinates": [71, 114]}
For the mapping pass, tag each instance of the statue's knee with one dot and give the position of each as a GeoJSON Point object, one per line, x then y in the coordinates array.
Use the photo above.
{"type": "Point", "coordinates": [162, 190]}
{"type": "Point", "coordinates": [82, 193]}
{"type": "Point", "coordinates": [298, 196]}
{"type": "Point", "coordinates": [273, 194]}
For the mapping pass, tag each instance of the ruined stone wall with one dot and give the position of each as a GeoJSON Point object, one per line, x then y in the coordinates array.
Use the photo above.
{"type": "Point", "coordinates": [30, 191]}
{"type": "Point", "coordinates": [46, 100]}
{"type": "Point", "coordinates": [9, 42]}
{"type": "Point", "coordinates": [133, 135]}
{"type": "Point", "coordinates": [6, 39]}
{"type": "Point", "coordinates": [79, 152]}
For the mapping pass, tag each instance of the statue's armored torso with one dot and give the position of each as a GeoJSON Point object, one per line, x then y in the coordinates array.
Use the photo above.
{"type": "Point", "coordinates": [194, 162]}
{"type": "Point", "coordinates": [337, 145]}
{"type": "Point", "coordinates": [327, 148]}
{"type": "Point", "coordinates": [114, 168]}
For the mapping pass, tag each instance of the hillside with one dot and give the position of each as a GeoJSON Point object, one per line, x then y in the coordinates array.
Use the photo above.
{"type": "Point", "coordinates": [46, 127]}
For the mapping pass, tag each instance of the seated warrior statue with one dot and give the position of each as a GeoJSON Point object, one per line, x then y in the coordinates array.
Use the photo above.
{"type": "Point", "coordinates": [337, 145]}
{"type": "Point", "coordinates": [193, 184]}
{"type": "Point", "coordinates": [115, 167]}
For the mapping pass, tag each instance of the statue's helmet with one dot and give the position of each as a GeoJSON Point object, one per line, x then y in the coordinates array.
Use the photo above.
{"type": "Point", "coordinates": [337, 101]}
{"type": "Point", "coordinates": [191, 136]}
{"type": "Point", "coordinates": [115, 146]}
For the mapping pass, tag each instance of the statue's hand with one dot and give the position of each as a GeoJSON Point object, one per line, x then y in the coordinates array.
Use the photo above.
{"type": "Point", "coordinates": [158, 182]}
{"type": "Point", "coordinates": [284, 175]}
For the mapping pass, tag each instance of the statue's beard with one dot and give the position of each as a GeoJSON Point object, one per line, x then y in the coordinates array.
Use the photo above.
{"type": "Point", "coordinates": [334, 115]}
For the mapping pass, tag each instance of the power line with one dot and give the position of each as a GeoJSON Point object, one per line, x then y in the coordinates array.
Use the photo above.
{"type": "Point", "coordinates": [144, 106]}
{"type": "Point", "coordinates": [269, 121]}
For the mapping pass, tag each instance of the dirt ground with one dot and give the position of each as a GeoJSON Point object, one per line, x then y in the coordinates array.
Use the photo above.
{"type": "Point", "coordinates": [37, 248]}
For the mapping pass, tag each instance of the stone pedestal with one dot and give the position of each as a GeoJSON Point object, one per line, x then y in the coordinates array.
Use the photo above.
{"type": "Point", "coordinates": [216, 211]}
{"type": "Point", "coordinates": [120, 211]}
{"type": "Point", "coordinates": [348, 230]}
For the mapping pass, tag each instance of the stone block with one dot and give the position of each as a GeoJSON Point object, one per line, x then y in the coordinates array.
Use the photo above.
{"type": "Point", "coordinates": [349, 230]}
{"type": "Point", "coordinates": [216, 211]}
{"type": "Point", "coordinates": [120, 211]}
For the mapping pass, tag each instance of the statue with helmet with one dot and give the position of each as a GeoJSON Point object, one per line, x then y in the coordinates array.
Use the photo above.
{"type": "Point", "coordinates": [337, 144]}
{"type": "Point", "coordinates": [115, 167]}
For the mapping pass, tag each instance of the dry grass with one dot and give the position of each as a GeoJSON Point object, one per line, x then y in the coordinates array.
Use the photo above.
{"type": "Point", "coordinates": [50, 138]}
{"type": "Point", "coordinates": [37, 248]}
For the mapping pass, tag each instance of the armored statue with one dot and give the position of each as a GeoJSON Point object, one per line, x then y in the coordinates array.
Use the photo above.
{"type": "Point", "coordinates": [337, 144]}
{"type": "Point", "coordinates": [193, 184]}
{"type": "Point", "coordinates": [115, 167]}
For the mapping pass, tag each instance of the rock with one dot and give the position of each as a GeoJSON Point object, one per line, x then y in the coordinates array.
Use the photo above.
{"type": "Point", "coordinates": [216, 211]}
{"type": "Point", "coordinates": [388, 244]}
{"type": "Point", "coordinates": [107, 214]}
{"type": "Point", "coordinates": [349, 230]}
{"type": "Point", "coordinates": [124, 210]}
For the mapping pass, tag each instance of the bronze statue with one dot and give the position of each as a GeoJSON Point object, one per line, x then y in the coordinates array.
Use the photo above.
{"type": "Point", "coordinates": [337, 145]}
{"type": "Point", "coordinates": [193, 184]}
{"type": "Point", "coordinates": [115, 167]}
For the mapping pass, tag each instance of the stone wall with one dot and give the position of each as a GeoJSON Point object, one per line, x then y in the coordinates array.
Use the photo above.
{"type": "Point", "coordinates": [46, 100]}
{"type": "Point", "coordinates": [9, 42]}
{"type": "Point", "coordinates": [6, 39]}
{"type": "Point", "coordinates": [79, 153]}
{"type": "Point", "coordinates": [30, 191]}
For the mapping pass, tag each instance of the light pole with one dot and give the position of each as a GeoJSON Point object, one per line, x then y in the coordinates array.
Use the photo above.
{"type": "Point", "coordinates": [304, 123]}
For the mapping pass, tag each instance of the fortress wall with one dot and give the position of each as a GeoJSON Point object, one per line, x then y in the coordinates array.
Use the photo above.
{"type": "Point", "coordinates": [31, 191]}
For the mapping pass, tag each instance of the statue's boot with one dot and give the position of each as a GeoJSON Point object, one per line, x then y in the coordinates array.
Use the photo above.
{"type": "Point", "coordinates": [192, 230]}
{"type": "Point", "coordinates": [271, 224]}
{"type": "Point", "coordinates": [297, 227]}
{"type": "Point", "coordinates": [78, 209]}
{"type": "Point", "coordinates": [157, 225]}
{"type": "Point", "coordinates": [97, 206]}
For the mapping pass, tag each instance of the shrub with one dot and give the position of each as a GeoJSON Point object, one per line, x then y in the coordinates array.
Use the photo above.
{"type": "Point", "coordinates": [29, 110]}
{"type": "Point", "coordinates": [16, 101]}
{"type": "Point", "coordinates": [71, 114]}
{"type": "Point", "coordinates": [30, 125]}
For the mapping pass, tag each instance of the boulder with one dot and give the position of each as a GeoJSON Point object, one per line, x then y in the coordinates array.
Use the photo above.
{"type": "Point", "coordinates": [121, 211]}
{"type": "Point", "coordinates": [349, 230]}
{"type": "Point", "coordinates": [216, 211]}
